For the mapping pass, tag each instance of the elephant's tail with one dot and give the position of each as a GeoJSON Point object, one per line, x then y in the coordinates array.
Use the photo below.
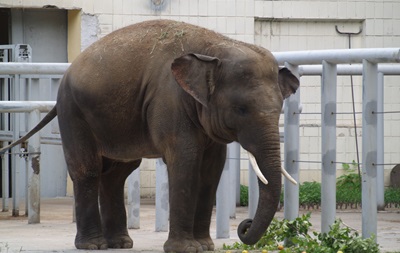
{"type": "Point", "coordinates": [49, 117]}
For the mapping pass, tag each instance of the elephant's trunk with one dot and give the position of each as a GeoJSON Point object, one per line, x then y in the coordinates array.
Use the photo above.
{"type": "Point", "coordinates": [268, 160]}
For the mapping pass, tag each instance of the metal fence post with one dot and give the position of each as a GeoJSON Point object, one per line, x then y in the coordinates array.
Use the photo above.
{"type": "Point", "coordinates": [254, 192]}
{"type": "Point", "coordinates": [291, 152]}
{"type": "Point", "coordinates": [328, 145]}
{"type": "Point", "coordinates": [369, 149]}
{"type": "Point", "coordinates": [223, 200]}
{"type": "Point", "coordinates": [34, 171]}
{"type": "Point", "coordinates": [134, 199]}
{"type": "Point", "coordinates": [380, 184]}
{"type": "Point", "coordinates": [15, 163]}
{"type": "Point", "coordinates": [5, 181]}
{"type": "Point", "coordinates": [162, 196]}
{"type": "Point", "coordinates": [234, 167]}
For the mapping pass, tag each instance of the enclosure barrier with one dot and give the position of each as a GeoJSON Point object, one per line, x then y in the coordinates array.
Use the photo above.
{"type": "Point", "coordinates": [328, 64]}
{"type": "Point", "coordinates": [21, 81]}
{"type": "Point", "coordinates": [372, 157]}
{"type": "Point", "coordinates": [32, 154]}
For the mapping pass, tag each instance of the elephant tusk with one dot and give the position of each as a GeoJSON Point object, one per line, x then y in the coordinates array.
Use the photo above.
{"type": "Point", "coordinates": [286, 174]}
{"type": "Point", "coordinates": [256, 168]}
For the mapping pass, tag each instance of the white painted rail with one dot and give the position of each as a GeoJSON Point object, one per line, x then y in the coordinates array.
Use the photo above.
{"type": "Point", "coordinates": [34, 108]}
{"type": "Point", "coordinates": [329, 65]}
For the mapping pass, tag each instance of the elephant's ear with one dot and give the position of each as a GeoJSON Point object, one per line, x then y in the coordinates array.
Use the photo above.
{"type": "Point", "coordinates": [288, 82]}
{"type": "Point", "coordinates": [196, 74]}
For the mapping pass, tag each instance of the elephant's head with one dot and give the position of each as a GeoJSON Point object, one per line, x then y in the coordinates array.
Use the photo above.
{"type": "Point", "coordinates": [240, 98]}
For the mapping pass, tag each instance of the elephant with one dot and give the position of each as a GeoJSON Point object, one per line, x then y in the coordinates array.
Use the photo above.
{"type": "Point", "coordinates": [176, 91]}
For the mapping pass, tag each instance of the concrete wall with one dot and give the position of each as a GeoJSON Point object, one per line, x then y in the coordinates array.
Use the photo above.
{"type": "Point", "coordinates": [279, 26]}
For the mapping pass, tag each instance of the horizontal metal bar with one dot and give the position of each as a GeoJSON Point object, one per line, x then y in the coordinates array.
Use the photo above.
{"type": "Point", "coordinates": [6, 135]}
{"type": "Point", "coordinates": [51, 140]}
{"type": "Point", "coordinates": [346, 69]}
{"type": "Point", "coordinates": [306, 161]}
{"type": "Point", "coordinates": [385, 112]}
{"type": "Point", "coordinates": [311, 113]}
{"type": "Point", "coordinates": [21, 153]}
{"type": "Point", "coordinates": [26, 106]}
{"type": "Point", "coordinates": [16, 68]}
{"type": "Point", "coordinates": [339, 56]}
{"type": "Point", "coordinates": [346, 112]}
{"type": "Point", "coordinates": [41, 76]}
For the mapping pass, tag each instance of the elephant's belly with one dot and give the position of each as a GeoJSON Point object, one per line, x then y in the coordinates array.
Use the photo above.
{"type": "Point", "coordinates": [129, 149]}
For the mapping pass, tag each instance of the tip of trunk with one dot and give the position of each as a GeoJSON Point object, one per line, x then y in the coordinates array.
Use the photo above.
{"type": "Point", "coordinates": [242, 230]}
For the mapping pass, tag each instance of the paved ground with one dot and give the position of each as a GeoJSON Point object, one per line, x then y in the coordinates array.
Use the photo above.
{"type": "Point", "coordinates": [56, 231]}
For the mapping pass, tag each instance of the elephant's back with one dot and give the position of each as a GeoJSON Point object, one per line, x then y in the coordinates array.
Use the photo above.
{"type": "Point", "coordinates": [151, 40]}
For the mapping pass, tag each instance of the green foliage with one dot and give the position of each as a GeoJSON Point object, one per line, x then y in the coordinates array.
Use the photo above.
{"type": "Point", "coordinates": [244, 195]}
{"type": "Point", "coordinates": [310, 193]}
{"type": "Point", "coordinates": [392, 196]}
{"type": "Point", "coordinates": [348, 191]}
{"type": "Point", "coordinates": [340, 237]}
{"type": "Point", "coordinates": [348, 188]}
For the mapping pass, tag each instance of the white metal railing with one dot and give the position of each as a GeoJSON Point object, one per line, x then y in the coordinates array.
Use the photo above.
{"type": "Point", "coordinates": [34, 108]}
{"type": "Point", "coordinates": [328, 64]}
{"type": "Point", "coordinates": [372, 156]}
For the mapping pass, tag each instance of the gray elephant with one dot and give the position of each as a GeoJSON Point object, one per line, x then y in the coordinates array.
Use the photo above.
{"type": "Point", "coordinates": [177, 91]}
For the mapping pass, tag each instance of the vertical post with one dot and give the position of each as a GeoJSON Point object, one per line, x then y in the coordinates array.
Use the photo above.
{"type": "Point", "coordinates": [254, 193]}
{"type": "Point", "coordinates": [5, 159]}
{"type": "Point", "coordinates": [380, 184]}
{"type": "Point", "coordinates": [291, 151]}
{"type": "Point", "coordinates": [238, 175]}
{"type": "Point", "coordinates": [134, 199]}
{"type": "Point", "coordinates": [34, 171]}
{"type": "Point", "coordinates": [328, 145]}
{"type": "Point", "coordinates": [162, 196]}
{"type": "Point", "coordinates": [369, 149]}
{"type": "Point", "coordinates": [5, 182]}
{"type": "Point", "coordinates": [234, 167]}
{"type": "Point", "coordinates": [223, 200]}
{"type": "Point", "coordinates": [15, 163]}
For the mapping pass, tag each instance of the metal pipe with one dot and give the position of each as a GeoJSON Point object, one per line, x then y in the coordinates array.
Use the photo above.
{"type": "Point", "coordinates": [380, 183]}
{"type": "Point", "coordinates": [34, 171]}
{"type": "Point", "coordinates": [369, 152]}
{"type": "Point", "coordinates": [328, 146]}
{"type": "Point", "coordinates": [338, 56]}
{"type": "Point", "coordinates": [134, 199]}
{"type": "Point", "coordinates": [222, 208]}
{"type": "Point", "coordinates": [162, 196]}
{"type": "Point", "coordinates": [19, 68]}
{"type": "Point", "coordinates": [234, 166]}
{"type": "Point", "coordinates": [345, 69]}
{"type": "Point", "coordinates": [291, 152]}
{"type": "Point", "coordinates": [253, 192]}
{"type": "Point", "coordinates": [26, 106]}
{"type": "Point", "coordinates": [15, 163]}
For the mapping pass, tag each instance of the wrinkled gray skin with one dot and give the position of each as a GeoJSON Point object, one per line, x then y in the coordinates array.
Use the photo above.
{"type": "Point", "coordinates": [172, 90]}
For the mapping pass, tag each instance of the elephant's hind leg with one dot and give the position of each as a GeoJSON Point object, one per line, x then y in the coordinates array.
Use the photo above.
{"type": "Point", "coordinates": [85, 172]}
{"type": "Point", "coordinates": [112, 207]}
{"type": "Point", "coordinates": [84, 166]}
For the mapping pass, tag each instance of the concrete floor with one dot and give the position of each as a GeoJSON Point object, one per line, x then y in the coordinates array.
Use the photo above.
{"type": "Point", "coordinates": [56, 231]}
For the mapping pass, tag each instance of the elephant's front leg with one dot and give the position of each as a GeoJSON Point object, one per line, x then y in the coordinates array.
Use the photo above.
{"type": "Point", "coordinates": [183, 176]}
{"type": "Point", "coordinates": [211, 170]}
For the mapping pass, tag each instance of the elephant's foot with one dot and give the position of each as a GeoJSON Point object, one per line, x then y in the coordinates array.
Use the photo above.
{"type": "Point", "coordinates": [96, 243]}
{"type": "Point", "coordinates": [182, 246]}
{"type": "Point", "coordinates": [120, 242]}
{"type": "Point", "coordinates": [206, 243]}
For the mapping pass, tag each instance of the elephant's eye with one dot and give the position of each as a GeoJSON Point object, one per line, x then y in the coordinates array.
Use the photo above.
{"type": "Point", "coordinates": [240, 109]}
